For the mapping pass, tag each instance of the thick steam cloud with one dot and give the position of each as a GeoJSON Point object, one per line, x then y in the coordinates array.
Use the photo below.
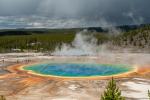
{"type": "Point", "coordinates": [83, 45]}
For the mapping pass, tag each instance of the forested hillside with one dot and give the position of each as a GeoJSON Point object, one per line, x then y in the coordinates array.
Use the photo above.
{"type": "Point", "coordinates": [135, 38]}
{"type": "Point", "coordinates": [48, 40]}
{"type": "Point", "coordinates": [33, 42]}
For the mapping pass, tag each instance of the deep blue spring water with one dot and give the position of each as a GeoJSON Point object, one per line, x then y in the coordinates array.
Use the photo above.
{"type": "Point", "coordinates": [78, 70]}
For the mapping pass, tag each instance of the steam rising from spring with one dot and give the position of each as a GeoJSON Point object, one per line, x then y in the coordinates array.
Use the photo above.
{"type": "Point", "coordinates": [83, 44]}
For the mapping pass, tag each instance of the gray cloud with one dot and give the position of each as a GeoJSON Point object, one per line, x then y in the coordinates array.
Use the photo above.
{"type": "Point", "coordinates": [113, 11]}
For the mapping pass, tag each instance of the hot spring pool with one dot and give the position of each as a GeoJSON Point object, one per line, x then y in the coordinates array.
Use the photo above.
{"type": "Point", "coordinates": [77, 70]}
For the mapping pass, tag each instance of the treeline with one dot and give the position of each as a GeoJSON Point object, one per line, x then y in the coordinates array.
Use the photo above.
{"type": "Point", "coordinates": [48, 40]}
{"type": "Point", "coordinates": [139, 38]}
{"type": "Point", "coordinates": [37, 42]}
{"type": "Point", "coordinates": [42, 41]}
{"type": "Point", "coordinates": [9, 32]}
{"type": "Point", "coordinates": [4, 32]}
{"type": "Point", "coordinates": [22, 40]}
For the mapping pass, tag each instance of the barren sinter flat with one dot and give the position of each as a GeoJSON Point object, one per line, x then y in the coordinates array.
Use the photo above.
{"type": "Point", "coordinates": [19, 85]}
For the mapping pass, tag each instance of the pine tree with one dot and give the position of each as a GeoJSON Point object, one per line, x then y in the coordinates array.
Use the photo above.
{"type": "Point", "coordinates": [112, 92]}
{"type": "Point", "coordinates": [149, 94]}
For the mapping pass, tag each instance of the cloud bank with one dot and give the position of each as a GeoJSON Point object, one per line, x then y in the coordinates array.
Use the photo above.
{"type": "Point", "coordinates": [72, 13]}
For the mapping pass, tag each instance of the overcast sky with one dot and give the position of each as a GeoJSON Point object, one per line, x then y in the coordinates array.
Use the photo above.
{"type": "Point", "coordinates": [72, 13]}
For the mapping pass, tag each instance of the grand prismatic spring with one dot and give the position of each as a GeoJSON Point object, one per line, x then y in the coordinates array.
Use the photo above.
{"type": "Point", "coordinates": [74, 77]}
{"type": "Point", "coordinates": [77, 69]}
{"type": "Point", "coordinates": [72, 49]}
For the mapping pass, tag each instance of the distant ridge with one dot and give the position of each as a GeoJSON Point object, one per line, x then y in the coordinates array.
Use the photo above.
{"type": "Point", "coordinates": [23, 31]}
